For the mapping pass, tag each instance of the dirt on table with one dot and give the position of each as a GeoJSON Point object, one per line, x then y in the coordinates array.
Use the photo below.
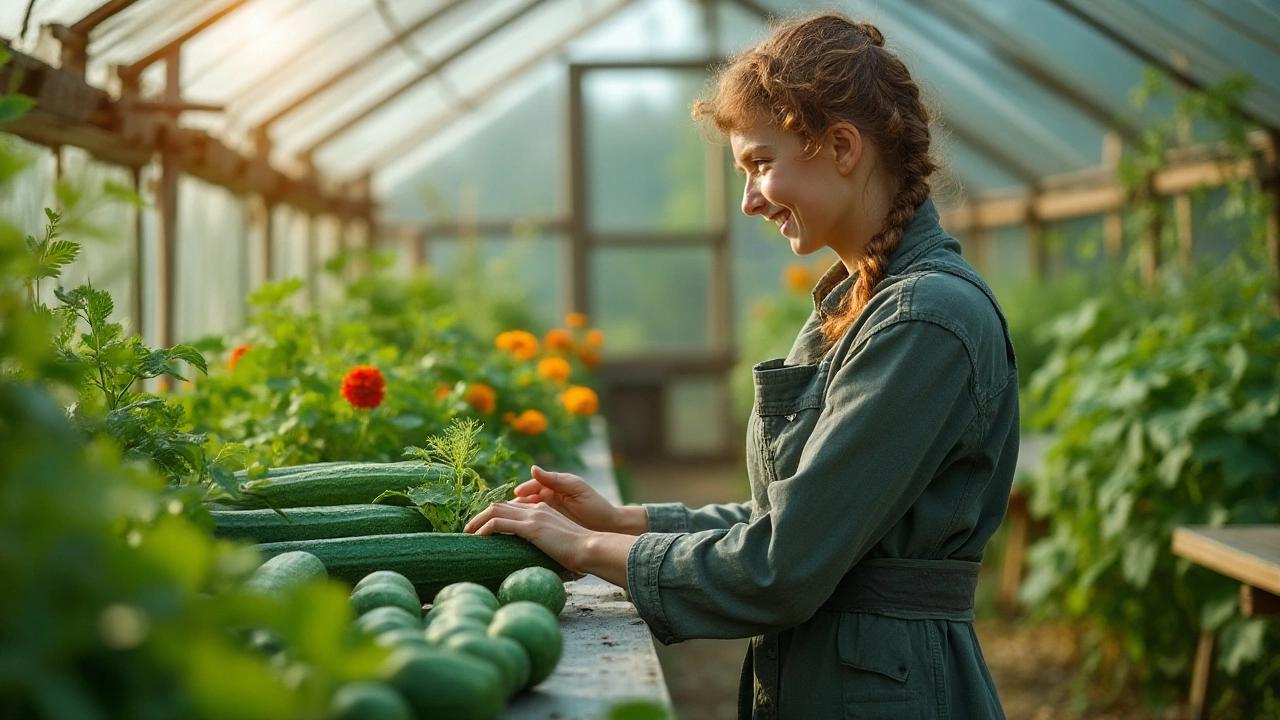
{"type": "Point", "coordinates": [1033, 665]}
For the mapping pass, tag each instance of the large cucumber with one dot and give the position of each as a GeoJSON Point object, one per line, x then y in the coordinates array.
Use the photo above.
{"type": "Point", "coordinates": [282, 571]}
{"type": "Point", "coordinates": [243, 475]}
{"type": "Point", "coordinates": [336, 485]}
{"type": "Point", "coordinates": [314, 523]}
{"type": "Point", "coordinates": [429, 560]}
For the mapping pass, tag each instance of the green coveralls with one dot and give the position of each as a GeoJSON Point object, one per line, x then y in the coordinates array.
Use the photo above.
{"type": "Point", "coordinates": [878, 472]}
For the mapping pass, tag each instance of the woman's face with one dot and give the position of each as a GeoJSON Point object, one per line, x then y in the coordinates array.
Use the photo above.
{"type": "Point", "coordinates": [803, 196]}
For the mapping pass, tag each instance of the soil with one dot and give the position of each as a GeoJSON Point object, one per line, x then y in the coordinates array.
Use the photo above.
{"type": "Point", "coordinates": [1033, 665]}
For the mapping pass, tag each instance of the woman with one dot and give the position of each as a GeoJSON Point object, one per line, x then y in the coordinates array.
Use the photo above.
{"type": "Point", "coordinates": [880, 450]}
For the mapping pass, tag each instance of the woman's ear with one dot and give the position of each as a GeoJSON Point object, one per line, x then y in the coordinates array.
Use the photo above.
{"type": "Point", "coordinates": [846, 142]}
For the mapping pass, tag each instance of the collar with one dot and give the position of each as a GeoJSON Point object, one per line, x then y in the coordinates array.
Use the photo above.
{"type": "Point", "coordinates": [923, 233]}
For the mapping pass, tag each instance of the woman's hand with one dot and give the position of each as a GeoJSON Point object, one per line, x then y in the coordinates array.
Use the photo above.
{"type": "Point", "coordinates": [577, 501]}
{"type": "Point", "coordinates": [578, 549]}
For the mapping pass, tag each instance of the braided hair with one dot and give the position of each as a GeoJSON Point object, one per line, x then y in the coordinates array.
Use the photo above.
{"type": "Point", "coordinates": [812, 73]}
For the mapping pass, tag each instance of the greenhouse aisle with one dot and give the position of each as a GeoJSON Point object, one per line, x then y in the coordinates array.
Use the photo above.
{"type": "Point", "coordinates": [1032, 665]}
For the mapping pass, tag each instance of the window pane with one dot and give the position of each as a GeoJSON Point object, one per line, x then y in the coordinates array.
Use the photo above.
{"type": "Point", "coordinates": [652, 299]}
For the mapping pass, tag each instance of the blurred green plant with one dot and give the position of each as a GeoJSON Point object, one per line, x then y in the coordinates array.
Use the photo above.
{"type": "Point", "coordinates": [116, 601]}
{"type": "Point", "coordinates": [1164, 398]}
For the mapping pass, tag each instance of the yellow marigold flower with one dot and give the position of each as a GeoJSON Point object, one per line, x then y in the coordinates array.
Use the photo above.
{"type": "Point", "coordinates": [482, 397]}
{"type": "Point", "coordinates": [797, 278]}
{"type": "Point", "coordinates": [521, 343]}
{"type": "Point", "coordinates": [559, 339]}
{"type": "Point", "coordinates": [580, 400]}
{"type": "Point", "coordinates": [576, 320]}
{"type": "Point", "coordinates": [554, 368]}
{"type": "Point", "coordinates": [529, 422]}
{"type": "Point", "coordinates": [595, 338]}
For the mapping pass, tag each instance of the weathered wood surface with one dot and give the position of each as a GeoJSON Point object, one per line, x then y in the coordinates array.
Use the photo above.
{"type": "Point", "coordinates": [608, 651]}
{"type": "Point", "coordinates": [1248, 553]}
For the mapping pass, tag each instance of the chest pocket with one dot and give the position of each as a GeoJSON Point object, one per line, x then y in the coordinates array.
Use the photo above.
{"type": "Point", "coordinates": [789, 399]}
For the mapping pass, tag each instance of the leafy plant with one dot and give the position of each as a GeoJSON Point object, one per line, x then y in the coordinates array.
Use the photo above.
{"type": "Point", "coordinates": [1164, 398]}
{"type": "Point", "coordinates": [48, 257]}
{"type": "Point", "coordinates": [450, 502]}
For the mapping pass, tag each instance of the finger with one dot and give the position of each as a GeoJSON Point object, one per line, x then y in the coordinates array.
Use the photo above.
{"type": "Point", "coordinates": [528, 499]}
{"type": "Point", "coordinates": [482, 517]}
{"type": "Point", "coordinates": [502, 525]}
{"type": "Point", "coordinates": [529, 487]}
{"type": "Point", "coordinates": [563, 483]}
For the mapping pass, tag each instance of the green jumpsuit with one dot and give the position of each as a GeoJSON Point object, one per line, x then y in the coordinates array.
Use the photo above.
{"type": "Point", "coordinates": [878, 471]}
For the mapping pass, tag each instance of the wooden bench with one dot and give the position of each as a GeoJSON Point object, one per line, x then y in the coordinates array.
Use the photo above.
{"type": "Point", "coordinates": [1248, 553]}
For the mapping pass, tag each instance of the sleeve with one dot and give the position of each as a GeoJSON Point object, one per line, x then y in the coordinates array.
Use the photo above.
{"type": "Point", "coordinates": [893, 411]}
{"type": "Point", "coordinates": [676, 518]}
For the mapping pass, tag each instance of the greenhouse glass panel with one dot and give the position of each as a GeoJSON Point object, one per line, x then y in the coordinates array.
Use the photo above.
{"type": "Point", "coordinates": [1075, 245]}
{"type": "Point", "coordinates": [646, 161]}
{"type": "Point", "coordinates": [652, 300]}
{"type": "Point", "coordinates": [211, 282]}
{"type": "Point", "coordinates": [696, 422]}
{"type": "Point", "coordinates": [521, 272]}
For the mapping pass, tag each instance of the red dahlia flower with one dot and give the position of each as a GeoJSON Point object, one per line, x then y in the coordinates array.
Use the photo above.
{"type": "Point", "coordinates": [364, 387]}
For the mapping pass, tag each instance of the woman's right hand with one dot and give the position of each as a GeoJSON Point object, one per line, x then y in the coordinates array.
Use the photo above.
{"type": "Point", "coordinates": [578, 501]}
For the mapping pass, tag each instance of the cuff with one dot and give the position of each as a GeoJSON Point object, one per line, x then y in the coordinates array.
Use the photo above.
{"type": "Point", "coordinates": [643, 565]}
{"type": "Point", "coordinates": [667, 517]}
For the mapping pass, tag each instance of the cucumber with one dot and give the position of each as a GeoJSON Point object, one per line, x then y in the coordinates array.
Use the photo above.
{"type": "Point", "coordinates": [338, 485]}
{"type": "Point", "coordinates": [429, 560]}
{"type": "Point", "coordinates": [282, 571]}
{"type": "Point", "coordinates": [312, 523]}
{"type": "Point", "coordinates": [243, 475]}
{"type": "Point", "coordinates": [444, 684]}
{"type": "Point", "coordinates": [369, 701]}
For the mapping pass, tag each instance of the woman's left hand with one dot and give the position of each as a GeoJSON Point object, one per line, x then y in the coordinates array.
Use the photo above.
{"type": "Point", "coordinates": [556, 535]}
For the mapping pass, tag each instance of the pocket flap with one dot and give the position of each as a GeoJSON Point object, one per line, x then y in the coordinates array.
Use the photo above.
{"type": "Point", "coordinates": [875, 643]}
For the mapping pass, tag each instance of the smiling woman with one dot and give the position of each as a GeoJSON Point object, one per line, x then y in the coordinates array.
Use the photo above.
{"type": "Point", "coordinates": [882, 448]}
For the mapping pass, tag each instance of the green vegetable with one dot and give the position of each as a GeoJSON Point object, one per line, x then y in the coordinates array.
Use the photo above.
{"type": "Point", "coordinates": [429, 560]}
{"type": "Point", "coordinates": [464, 606]}
{"type": "Point", "coordinates": [338, 485]}
{"type": "Point", "coordinates": [313, 523]}
{"type": "Point", "coordinates": [503, 653]}
{"type": "Point", "coordinates": [385, 595]}
{"type": "Point", "coordinates": [384, 619]}
{"type": "Point", "coordinates": [482, 593]}
{"type": "Point", "coordinates": [283, 571]}
{"type": "Point", "coordinates": [379, 577]}
{"type": "Point", "coordinates": [537, 631]}
{"type": "Point", "coordinates": [443, 628]}
{"type": "Point", "coordinates": [537, 584]}
{"type": "Point", "coordinates": [369, 701]}
{"type": "Point", "coordinates": [442, 684]}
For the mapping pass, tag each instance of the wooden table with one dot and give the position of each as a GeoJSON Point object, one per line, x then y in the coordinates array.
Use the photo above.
{"type": "Point", "coordinates": [1248, 553]}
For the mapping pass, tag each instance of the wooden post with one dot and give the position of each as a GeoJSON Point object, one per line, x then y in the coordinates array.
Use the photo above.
{"type": "Point", "coordinates": [1152, 256]}
{"type": "Point", "coordinates": [1271, 184]}
{"type": "Point", "coordinates": [1182, 200]}
{"type": "Point", "coordinates": [1202, 674]}
{"type": "Point", "coordinates": [136, 304]}
{"type": "Point", "coordinates": [1014, 550]}
{"type": "Point", "coordinates": [167, 239]}
{"type": "Point", "coordinates": [1035, 238]}
{"type": "Point", "coordinates": [1112, 222]}
{"type": "Point", "coordinates": [579, 291]}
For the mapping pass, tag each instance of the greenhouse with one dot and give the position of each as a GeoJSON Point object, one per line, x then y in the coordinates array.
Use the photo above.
{"type": "Point", "coordinates": [372, 359]}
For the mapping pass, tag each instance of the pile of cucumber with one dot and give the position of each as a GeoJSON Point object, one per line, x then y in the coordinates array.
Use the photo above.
{"type": "Point", "coordinates": [461, 660]}
{"type": "Point", "coordinates": [326, 510]}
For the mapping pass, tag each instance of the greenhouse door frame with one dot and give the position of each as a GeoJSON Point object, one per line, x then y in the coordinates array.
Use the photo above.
{"type": "Point", "coordinates": [640, 383]}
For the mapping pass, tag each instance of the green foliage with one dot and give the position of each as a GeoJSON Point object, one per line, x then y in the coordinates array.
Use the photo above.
{"type": "Point", "coordinates": [116, 602]}
{"type": "Point", "coordinates": [1165, 402]}
{"type": "Point", "coordinates": [451, 501]}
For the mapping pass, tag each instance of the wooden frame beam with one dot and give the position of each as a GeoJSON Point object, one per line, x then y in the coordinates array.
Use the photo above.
{"type": "Point", "coordinates": [135, 68]}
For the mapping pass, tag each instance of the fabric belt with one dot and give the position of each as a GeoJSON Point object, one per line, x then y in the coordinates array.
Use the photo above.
{"type": "Point", "coordinates": [908, 588]}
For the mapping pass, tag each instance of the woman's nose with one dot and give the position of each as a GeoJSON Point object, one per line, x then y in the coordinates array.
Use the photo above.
{"type": "Point", "coordinates": [752, 201]}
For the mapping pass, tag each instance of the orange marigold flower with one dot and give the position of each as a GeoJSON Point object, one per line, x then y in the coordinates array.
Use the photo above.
{"type": "Point", "coordinates": [508, 417]}
{"type": "Point", "coordinates": [797, 278]}
{"type": "Point", "coordinates": [589, 356]}
{"type": "Point", "coordinates": [442, 391]}
{"type": "Point", "coordinates": [580, 400]}
{"type": "Point", "coordinates": [576, 320]}
{"type": "Point", "coordinates": [554, 368]}
{"type": "Point", "coordinates": [482, 397]}
{"type": "Point", "coordinates": [595, 338]}
{"type": "Point", "coordinates": [522, 344]}
{"type": "Point", "coordinates": [559, 339]}
{"type": "Point", "coordinates": [529, 422]}
{"type": "Point", "coordinates": [364, 387]}
{"type": "Point", "coordinates": [236, 355]}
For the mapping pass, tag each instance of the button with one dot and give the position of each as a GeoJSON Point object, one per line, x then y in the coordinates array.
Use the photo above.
{"type": "Point", "coordinates": [771, 653]}
{"type": "Point", "coordinates": [791, 417]}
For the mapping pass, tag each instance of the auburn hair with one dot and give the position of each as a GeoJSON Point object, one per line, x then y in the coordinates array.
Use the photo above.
{"type": "Point", "coordinates": [812, 73]}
